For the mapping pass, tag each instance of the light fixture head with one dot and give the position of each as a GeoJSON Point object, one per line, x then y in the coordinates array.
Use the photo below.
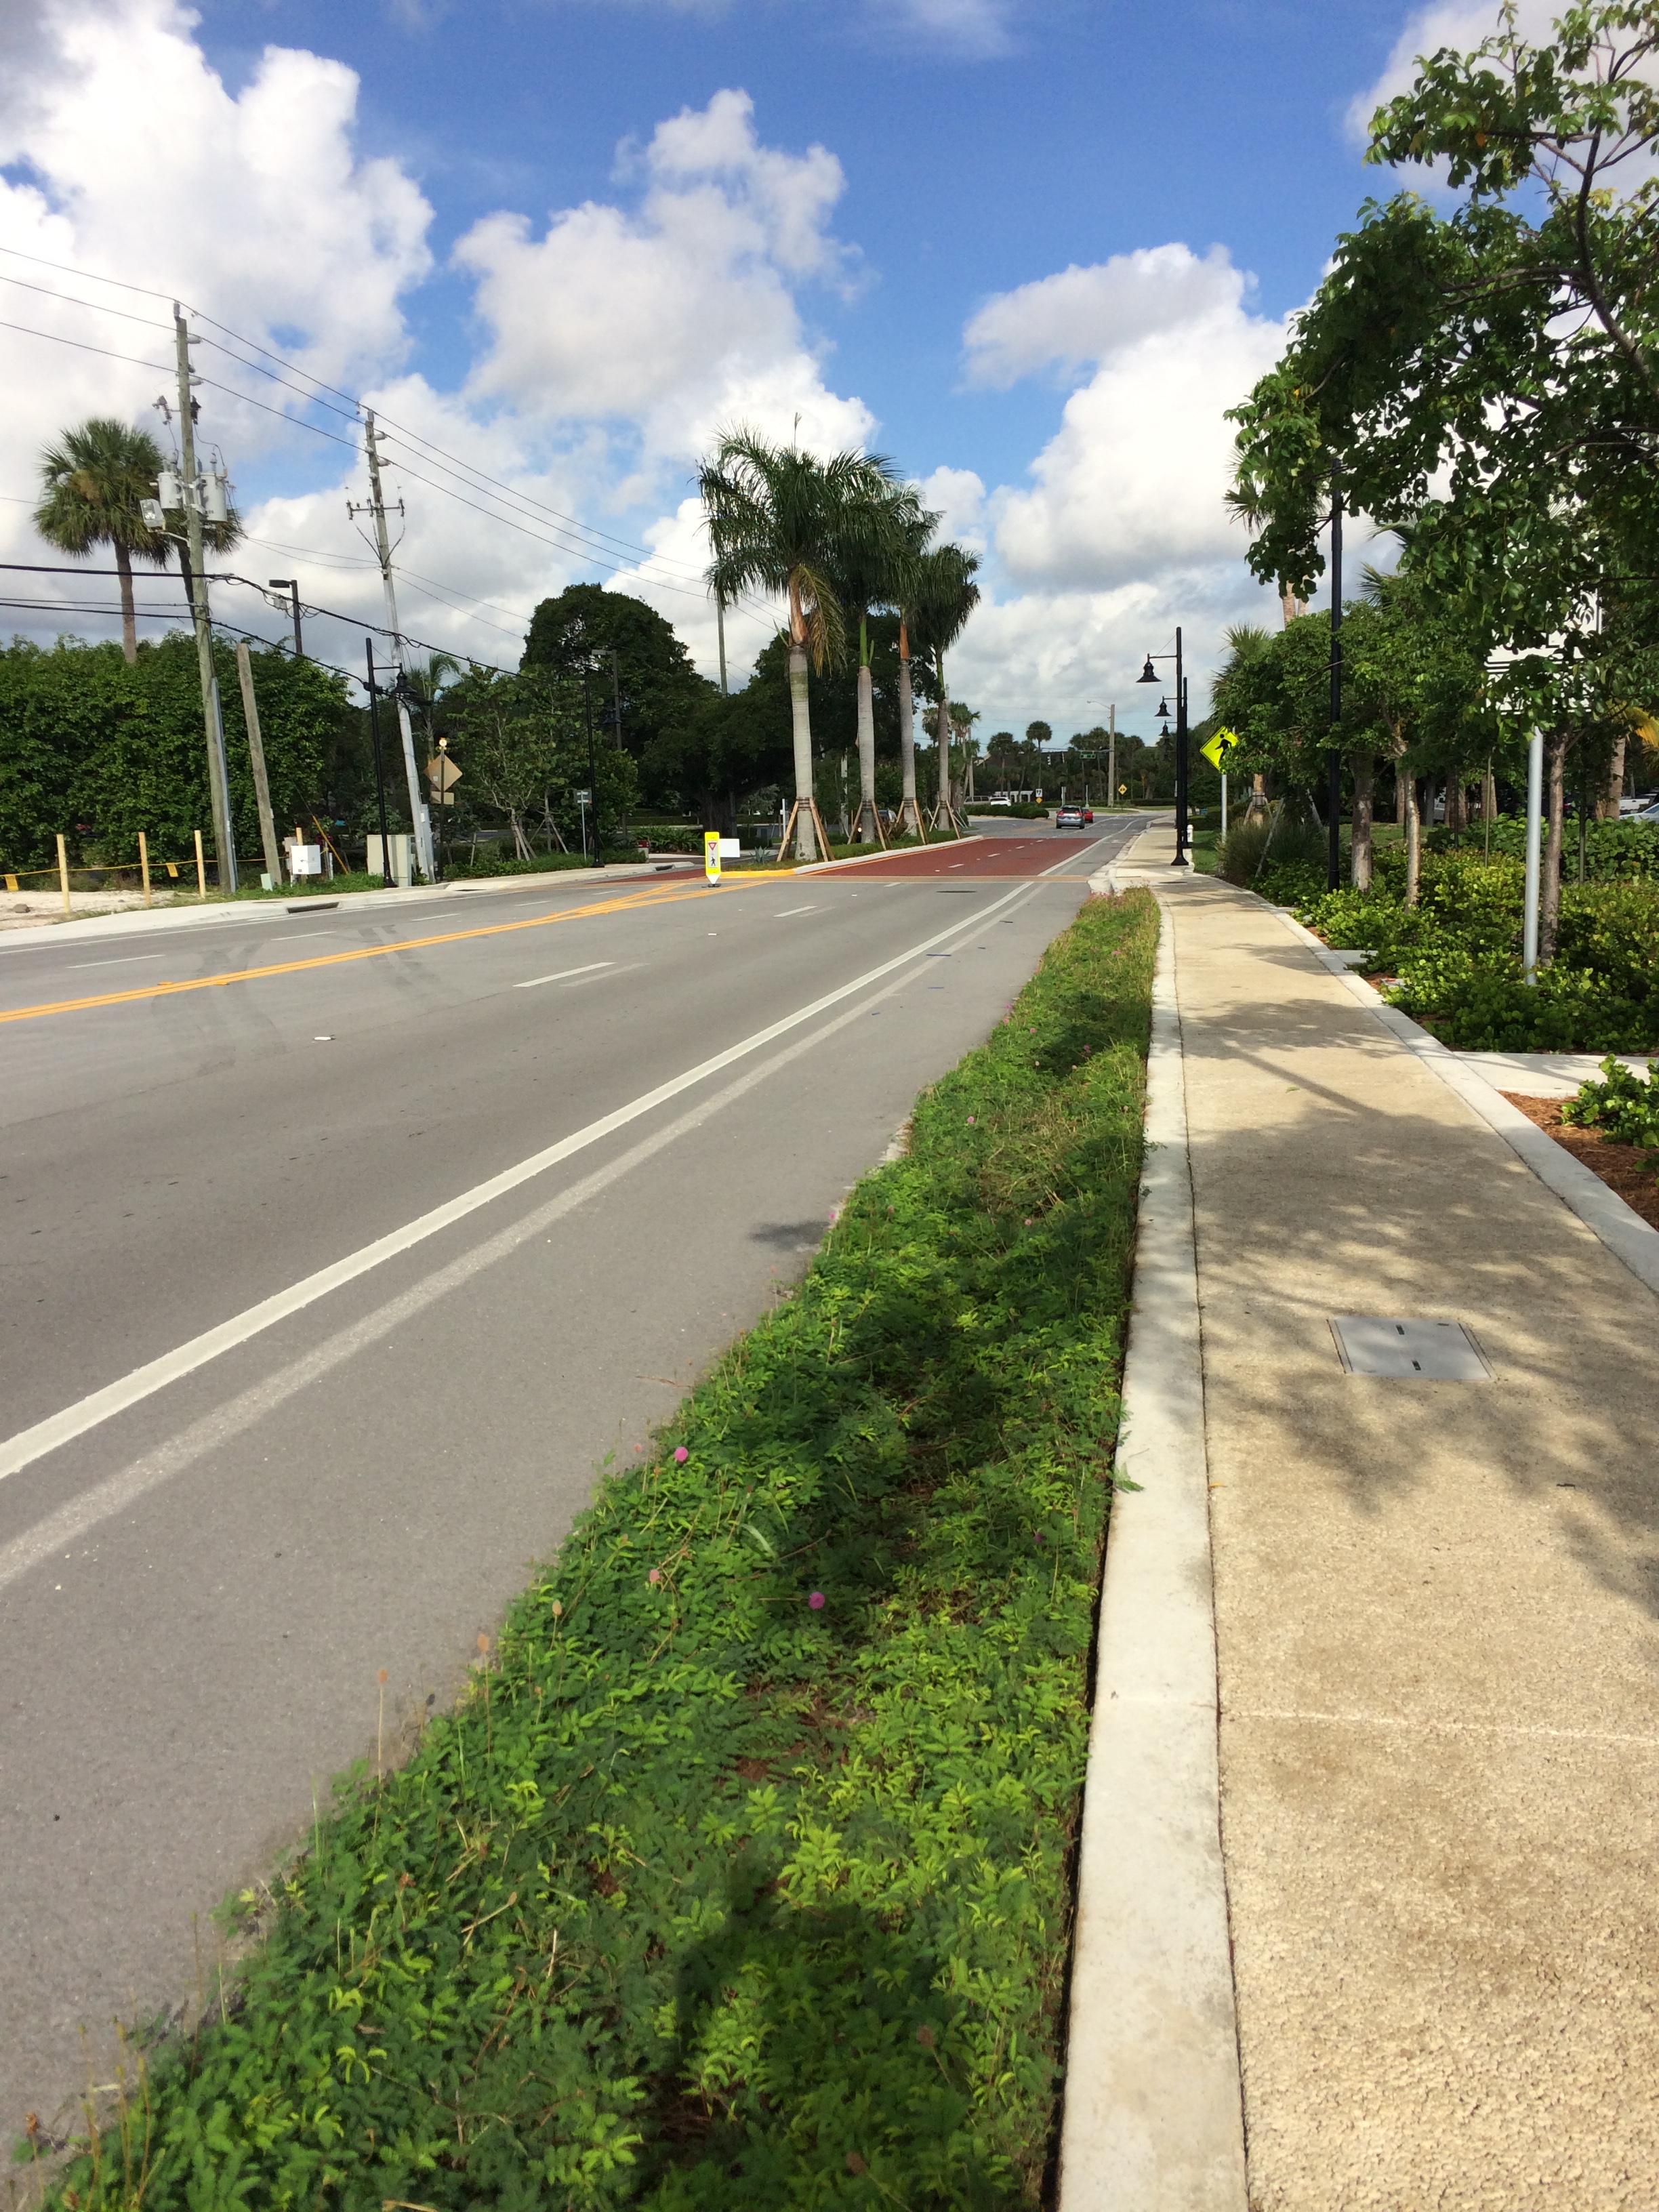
{"type": "Point", "coordinates": [1164, 708]}
{"type": "Point", "coordinates": [1148, 674]}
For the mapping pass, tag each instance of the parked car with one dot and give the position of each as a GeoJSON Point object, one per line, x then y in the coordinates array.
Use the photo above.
{"type": "Point", "coordinates": [1071, 818]}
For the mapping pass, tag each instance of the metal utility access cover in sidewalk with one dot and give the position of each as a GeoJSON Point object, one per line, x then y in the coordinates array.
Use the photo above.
{"type": "Point", "coordinates": [1408, 1351]}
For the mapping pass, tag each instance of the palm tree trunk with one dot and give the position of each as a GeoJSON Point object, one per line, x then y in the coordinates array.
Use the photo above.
{"type": "Point", "coordinates": [1363, 766]}
{"type": "Point", "coordinates": [1413, 837]}
{"type": "Point", "coordinates": [910, 821]}
{"type": "Point", "coordinates": [866, 829]}
{"type": "Point", "coordinates": [806, 843]}
{"type": "Point", "coordinates": [128, 619]}
{"type": "Point", "coordinates": [1549, 891]}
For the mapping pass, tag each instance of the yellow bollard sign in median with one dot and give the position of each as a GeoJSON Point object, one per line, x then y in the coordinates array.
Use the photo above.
{"type": "Point", "coordinates": [711, 855]}
{"type": "Point", "coordinates": [1219, 747]}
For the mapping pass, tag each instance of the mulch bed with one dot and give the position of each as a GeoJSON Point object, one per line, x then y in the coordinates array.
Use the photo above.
{"type": "Point", "coordinates": [1627, 1169]}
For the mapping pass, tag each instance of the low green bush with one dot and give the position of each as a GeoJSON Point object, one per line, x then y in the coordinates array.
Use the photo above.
{"type": "Point", "coordinates": [1457, 955]}
{"type": "Point", "coordinates": [1613, 851]}
{"type": "Point", "coordinates": [740, 1881]}
{"type": "Point", "coordinates": [1624, 1105]}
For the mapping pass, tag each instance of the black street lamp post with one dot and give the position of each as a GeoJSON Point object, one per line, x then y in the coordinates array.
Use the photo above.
{"type": "Point", "coordinates": [1333, 779]}
{"type": "Point", "coordinates": [1149, 675]}
{"type": "Point", "coordinates": [592, 759]}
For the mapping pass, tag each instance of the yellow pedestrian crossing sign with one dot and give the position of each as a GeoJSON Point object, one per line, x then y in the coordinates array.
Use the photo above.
{"type": "Point", "coordinates": [1218, 748]}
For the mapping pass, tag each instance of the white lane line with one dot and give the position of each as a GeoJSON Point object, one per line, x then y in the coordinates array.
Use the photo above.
{"type": "Point", "coordinates": [58, 1429]}
{"type": "Point", "coordinates": [581, 982]}
{"type": "Point", "coordinates": [564, 974]}
{"type": "Point", "coordinates": [308, 936]}
{"type": "Point", "coordinates": [125, 961]}
{"type": "Point", "coordinates": [788, 910]}
{"type": "Point", "coordinates": [256, 1404]}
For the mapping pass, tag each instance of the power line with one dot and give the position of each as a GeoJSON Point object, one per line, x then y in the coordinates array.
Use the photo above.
{"type": "Point", "coordinates": [80, 346]}
{"type": "Point", "coordinates": [461, 467]}
{"type": "Point", "coordinates": [91, 307]}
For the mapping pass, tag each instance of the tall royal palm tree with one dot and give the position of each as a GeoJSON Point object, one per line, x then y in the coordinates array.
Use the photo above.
{"type": "Point", "coordinates": [871, 572]}
{"type": "Point", "coordinates": [782, 520]}
{"type": "Point", "coordinates": [907, 582]}
{"type": "Point", "coordinates": [91, 483]}
{"type": "Point", "coordinates": [946, 594]}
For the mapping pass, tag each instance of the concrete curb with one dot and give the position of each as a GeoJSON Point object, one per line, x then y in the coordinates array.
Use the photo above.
{"type": "Point", "coordinates": [863, 859]}
{"type": "Point", "coordinates": [1153, 2119]}
{"type": "Point", "coordinates": [1601, 1211]}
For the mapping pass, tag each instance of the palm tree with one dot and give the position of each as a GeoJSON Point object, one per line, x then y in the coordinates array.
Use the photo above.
{"type": "Point", "coordinates": [870, 573]}
{"type": "Point", "coordinates": [944, 595]}
{"type": "Point", "coordinates": [782, 520]}
{"type": "Point", "coordinates": [909, 580]}
{"type": "Point", "coordinates": [91, 483]}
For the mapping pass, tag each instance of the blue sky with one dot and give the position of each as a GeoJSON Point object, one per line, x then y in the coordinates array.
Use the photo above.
{"type": "Point", "coordinates": [878, 241]}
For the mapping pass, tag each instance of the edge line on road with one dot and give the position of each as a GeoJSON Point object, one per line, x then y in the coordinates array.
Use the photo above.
{"type": "Point", "coordinates": [60, 1428]}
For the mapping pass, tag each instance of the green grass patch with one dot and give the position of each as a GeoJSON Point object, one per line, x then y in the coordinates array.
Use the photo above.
{"type": "Point", "coordinates": [740, 1879]}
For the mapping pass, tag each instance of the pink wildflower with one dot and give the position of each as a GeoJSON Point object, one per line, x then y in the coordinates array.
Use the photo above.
{"type": "Point", "coordinates": [817, 1601]}
{"type": "Point", "coordinates": [681, 1454]}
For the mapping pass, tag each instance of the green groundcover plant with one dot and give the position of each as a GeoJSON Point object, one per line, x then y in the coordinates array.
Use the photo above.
{"type": "Point", "coordinates": [740, 1879]}
{"type": "Point", "coordinates": [1623, 1105]}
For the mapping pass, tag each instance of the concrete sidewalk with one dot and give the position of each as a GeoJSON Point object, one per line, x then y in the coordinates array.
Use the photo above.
{"type": "Point", "coordinates": [1435, 1604]}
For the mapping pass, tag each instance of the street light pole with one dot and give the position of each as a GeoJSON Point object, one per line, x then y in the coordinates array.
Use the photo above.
{"type": "Point", "coordinates": [1149, 675]}
{"type": "Point", "coordinates": [593, 760]}
{"type": "Point", "coordinates": [1333, 779]}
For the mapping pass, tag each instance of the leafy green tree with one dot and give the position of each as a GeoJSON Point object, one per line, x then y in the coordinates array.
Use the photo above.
{"type": "Point", "coordinates": [781, 520]}
{"type": "Point", "coordinates": [522, 741]}
{"type": "Point", "coordinates": [92, 480]}
{"type": "Point", "coordinates": [1486, 376]}
{"type": "Point", "coordinates": [664, 702]}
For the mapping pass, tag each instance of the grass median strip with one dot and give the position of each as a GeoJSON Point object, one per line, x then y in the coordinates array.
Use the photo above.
{"type": "Point", "coordinates": [740, 1878]}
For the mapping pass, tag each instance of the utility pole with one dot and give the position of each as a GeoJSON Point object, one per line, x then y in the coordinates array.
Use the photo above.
{"type": "Point", "coordinates": [420, 820]}
{"type": "Point", "coordinates": [291, 586]}
{"type": "Point", "coordinates": [224, 836]}
{"type": "Point", "coordinates": [1111, 755]}
{"type": "Point", "coordinates": [257, 755]}
{"type": "Point", "coordinates": [380, 774]}
{"type": "Point", "coordinates": [592, 762]}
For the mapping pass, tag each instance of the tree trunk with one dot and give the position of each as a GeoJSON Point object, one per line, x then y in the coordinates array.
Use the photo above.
{"type": "Point", "coordinates": [1414, 840]}
{"type": "Point", "coordinates": [910, 821]}
{"type": "Point", "coordinates": [1607, 808]}
{"type": "Point", "coordinates": [128, 619]}
{"type": "Point", "coordinates": [1454, 804]}
{"type": "Point", "coordinates": [1364, 769]}
{"type": "Point", "coordinates": [806, 843]}
{"type": "Point", "coordinates": [1549, 891]}
{"type": "Point", "coordinates": [1401, 796]}
{"type": "Point", "coordinates": [867, 834]}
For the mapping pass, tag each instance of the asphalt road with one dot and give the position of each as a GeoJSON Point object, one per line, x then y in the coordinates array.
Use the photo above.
{"type": "Point", "coordinates": [331, 1286]}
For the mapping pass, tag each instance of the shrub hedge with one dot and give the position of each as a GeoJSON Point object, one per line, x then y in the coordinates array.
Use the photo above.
{"type": "Point", "coordinates": [1456, 955]}
{"type": "Point", "coordinates": [740, 1879]}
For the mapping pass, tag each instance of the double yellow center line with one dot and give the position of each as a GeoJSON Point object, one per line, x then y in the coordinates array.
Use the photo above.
{"type": "Point", "coordinates": [623, 904]}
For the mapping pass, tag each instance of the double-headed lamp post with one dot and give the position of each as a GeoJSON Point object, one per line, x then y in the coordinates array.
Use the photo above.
{"type": "Point", "coordinates": [1149, 675]}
